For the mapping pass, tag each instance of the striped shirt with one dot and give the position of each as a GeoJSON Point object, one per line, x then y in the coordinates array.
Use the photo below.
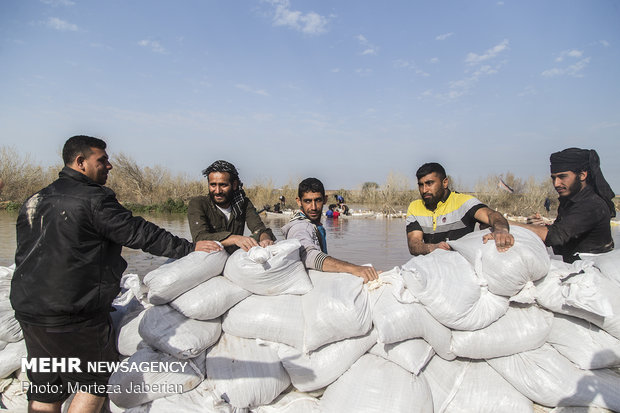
{"type": "Point", "coordinates": [449, 221]}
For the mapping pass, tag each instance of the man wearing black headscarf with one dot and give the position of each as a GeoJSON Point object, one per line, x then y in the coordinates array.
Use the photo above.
{"type": "Point", "coordinates": [223, 214]}
{"type": "Point", "coordinates": [586, 206]}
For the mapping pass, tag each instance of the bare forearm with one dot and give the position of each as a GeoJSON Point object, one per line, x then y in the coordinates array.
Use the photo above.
{"type": "Point", "coordinates": [420, 248]}
{"type": "Point", "coordinates": [332, 264]}
{"type": "Point", "coordinates": [498, 222]}
{"type": "Point", "coordinates": [540, 230]}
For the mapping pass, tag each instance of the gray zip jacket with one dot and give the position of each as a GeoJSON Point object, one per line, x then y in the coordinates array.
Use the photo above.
{"type": "Point", "coordinates": [301, 228]}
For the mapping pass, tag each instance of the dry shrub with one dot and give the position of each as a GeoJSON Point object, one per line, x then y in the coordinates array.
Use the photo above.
{"type": "Point", "coordinates": [21, 177]}
{"type": "Point", "coordinates": [528, 196]}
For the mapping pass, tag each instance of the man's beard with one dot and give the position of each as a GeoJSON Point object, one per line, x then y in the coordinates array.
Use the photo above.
{"type": "Point", "coordinates": [573, 189]}
{"type": "Point", "coordinates": [227, 199]}
{"type": "Point", "coordinates": [431, 203]}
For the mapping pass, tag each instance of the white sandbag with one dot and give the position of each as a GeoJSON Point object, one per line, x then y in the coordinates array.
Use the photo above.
{"type": "Point", "coordinates": [412, 354]}
{"type": "Point", "coordinates": [374, 384]}
{"type": "Point", "coordinates": [548, 378]}
{"type": "Point", "coordinates": [522, 328]}
{"type": "Point", "coordinates": [3, 344]}
{"type": "Point", "coordinates": [169, 331]}
{"type": "Point", "coordinates": [245, 373]}
{"type": "Point", "coordinates": [140, 382]}
{"type": "Point", "coordinates": [450, 290]}
{"type": "Point", "coordinates": [309, 372]}
{"type": "Point", "coordinates": [127, 333]}
{"type": "Point", "coordinates": [396, 321]}
{"type": "Point", "coordinates": [173, 279]}
{"type": "Point", "coordinates": [276, 318]}
{"type": "Point", "coordinates": [506, 273]}
{"type": "Point", "coordinates": [11, 358]}
{"type": "Point", "coordinates": [275, 269]}
{"type": "Point", "coordinates": [608, 263]}
{"type": "Point", "coordinates": [584, 344]}
{"type": "Point", "coordinates": [291, 402]}
{"type": "Point", "coordinates": [581, 291]}
{"type": "Point", "coordinates": [13, 392]}
{"type": "Point", "coordinates": [210, 299]}
{"type": "Point", "coordinates": [335, 309]}
{"type": "Point", "coordinates": [10, 330]}
{"type": "Point", "coordinates": [464, 386]}
{"type": "Point", "coordinates": [201, 399]}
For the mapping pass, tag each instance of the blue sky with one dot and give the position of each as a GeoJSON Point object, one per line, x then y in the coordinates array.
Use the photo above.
{"type": "Point", "coordinates": [344, 90]}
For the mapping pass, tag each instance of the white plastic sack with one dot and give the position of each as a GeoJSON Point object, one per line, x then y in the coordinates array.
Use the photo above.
{"type": "Point", "coordinates": [10, 330]}
{"type": "Point", "coordinates": [210, 299]}
{"type": "Point", "coordinates": [139, 387]}
{"type": "Point", "coordinates": [273, 270]}
{"type": "Point", "coordinates": [13, 393]}
{"type": "Point", "coordinates": [463, 386]}
{"type": "Point", "coordinates": [412, 354]}
{"type": "Point", "coordinates": [580, 290]}
{"type": "Point", "coordinates": [335, 309]}
{"type": "Point", "coordinates": [173, 279]}
{"type": "Point", "coordinates": [11, 358]}
{"type": "Point", "coordinates": [291, 402]}
{"type": "Point", "coordinates": [201, 399]}
{"type": "Point", "coordinates": [396, 321]}
{"type": "Point", "coordinates": [584, 344]}
{"type": "Point", "coordinates": [244, 373]}
{"type": "Point", "coordinates": [450, 290]}
{"type": "Point", "coordinates": [374, 384]}
{"type": "Point", "coordinates": [522, 328]}
{"type": "Point", "coordinates": [127, 335]}
{"type": "Point", "coordinates": [548, 378]}
{"type": "Point", "coordinates": [169, 331]}
{"type": "Point", "coordinates": [506, 273]}
{"type": "Point", "coordinates": [309, 372]}
{"type": "Point", "coordinates": [276, 318]}
{"type": "Point", "coordinates": [608, 263]}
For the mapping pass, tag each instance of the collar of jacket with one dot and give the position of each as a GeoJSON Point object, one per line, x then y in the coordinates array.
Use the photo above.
{"type": "Point", "coordinates": [67, 172]}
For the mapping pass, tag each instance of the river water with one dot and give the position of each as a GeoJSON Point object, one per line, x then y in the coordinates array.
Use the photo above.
{"type": "Point", "coordinates": [381, 242]}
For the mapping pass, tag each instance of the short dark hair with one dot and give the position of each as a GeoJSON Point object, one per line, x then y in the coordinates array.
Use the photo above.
{"type": "Point", "coordinates": [310, 185]}
{"type": "Point", "coordinates": [429, 168]}
{"type": "Point", "coordinates": [80, 145]}
{"type": "Point", "coordinates": [222, 167]}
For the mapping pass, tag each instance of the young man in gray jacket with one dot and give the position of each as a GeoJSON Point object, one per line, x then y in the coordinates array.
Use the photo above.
{"type": "Point", "coordinates": [307, 228]}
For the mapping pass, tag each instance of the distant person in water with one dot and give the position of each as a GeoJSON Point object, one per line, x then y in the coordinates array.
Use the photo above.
{"type": "Point", "coordinates": [222, 215]}
{"type": "Point", "coordinates": [442, 215]}
{"type": "Point", "coordinates": [586, 206]}
{"type": "Point", "coordinates": [306, 226]}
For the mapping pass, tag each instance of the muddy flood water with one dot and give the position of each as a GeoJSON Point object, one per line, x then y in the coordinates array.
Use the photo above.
{"type": "Point", "coordinates": [381, 242]}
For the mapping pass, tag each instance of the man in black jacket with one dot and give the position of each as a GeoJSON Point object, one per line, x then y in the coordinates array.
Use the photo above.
{"type": "Point", "coordinates": [68, 267]}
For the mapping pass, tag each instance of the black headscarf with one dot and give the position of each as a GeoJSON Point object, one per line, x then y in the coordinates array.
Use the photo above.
{"type": "Point", "coordinates": [238, 194]}
{"type": "Point", "coordinates": [575, 159]}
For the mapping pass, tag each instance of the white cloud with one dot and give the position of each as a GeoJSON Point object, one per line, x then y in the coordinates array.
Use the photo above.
{"type": "Point", "coordinates": [335, 70]}
{"type": "Point", "coordinates": [153, 45]}
{"type": "Point", "coordinates": [528, 91]}
{"type": "Point", "coordinates": [58, 24]}
{"type": "Point", "coordinates": [605, 43]}
{"type": "Point", "coordinates": [363, 72]}
{"type": "Point", "coordinates": [444, 36]}
{"type": "Point", "coordinates": [369, 48]}
{"type": "Point", "coordinates": [433, 60]}
{"type": "Point", "coordinates": [569, 53]}
{"type": "Point", "coordinates": [309, 23]}
{"type": "Point", "coordinates": [249, 89]}
{"type": "Point", "coordinates": [57, 3]}
{"type": "Point", "coordinates": [573, 70]}
{"type": "Point", "coordinates": [473, 58]}
{"type": "Point", "coordinates": [404, 64]}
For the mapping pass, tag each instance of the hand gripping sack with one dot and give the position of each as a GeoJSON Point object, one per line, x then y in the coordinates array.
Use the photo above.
{"type": "Point", "coordinates": [173, 279]}
{"type": "Point", "coordinates": [275, 269]}
{"type": "Point", "coordinates": [336, 308]}
{"type": "Point", "coordinates": [506, 273]}
{"type": "Point", "coordinates": [450, 290]}
{"type": "Point", "coordinates": [169, 331]}
{"type": "Point", "coordinates": [374, 384]}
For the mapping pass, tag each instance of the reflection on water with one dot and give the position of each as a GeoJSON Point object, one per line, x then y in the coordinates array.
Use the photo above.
{"type": "Point", "coordinates": [381, 242]}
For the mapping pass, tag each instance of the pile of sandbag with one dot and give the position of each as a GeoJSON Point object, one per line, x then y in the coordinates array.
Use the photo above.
{"type": "Point", "coordinates": [454, 331]}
